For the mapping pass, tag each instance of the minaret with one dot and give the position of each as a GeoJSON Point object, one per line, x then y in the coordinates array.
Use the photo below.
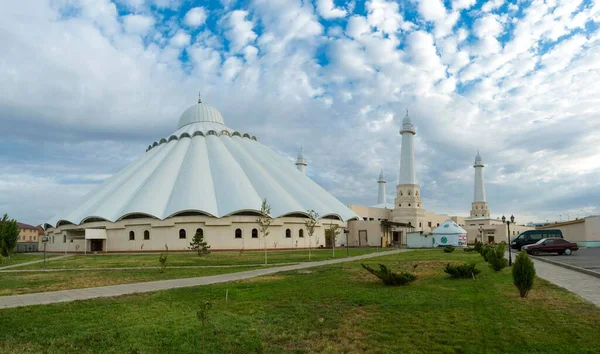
{"type": "Point", "coordinates": [381, 192]}
{"type": "Point", "coordinates": [479, 207]}
{"type": "Point", "coordinates": [301, 162]}
{"type": "Point", "coordinates": [408, 206]}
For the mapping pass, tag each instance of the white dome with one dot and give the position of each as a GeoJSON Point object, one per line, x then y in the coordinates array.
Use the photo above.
{"type": "Point", "coordinates": [199, 113]}
{"type": "Point", "coordinates": [449, 227]}
{"type": "Point", "coordinates": [200, 168]}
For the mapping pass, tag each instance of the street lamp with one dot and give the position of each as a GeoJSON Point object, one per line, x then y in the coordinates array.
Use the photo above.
{"type": "Point", "coordinates": [512, 220]}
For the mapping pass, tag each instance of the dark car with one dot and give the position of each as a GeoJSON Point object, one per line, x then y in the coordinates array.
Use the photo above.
{"type": "Point", "coordinates": [530, 237]}
{"type": "Point", "coordinates": [551, 245]}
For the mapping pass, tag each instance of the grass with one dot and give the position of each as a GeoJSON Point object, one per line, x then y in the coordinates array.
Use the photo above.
{"type": "Point", "coordinates": [17, 258]}
{"type": "Point", "coordinates": [192, 259]}
{"type": "Point", "coordinates": [35, 282]}
{"type": "Point", "coordinates": [334, 309]}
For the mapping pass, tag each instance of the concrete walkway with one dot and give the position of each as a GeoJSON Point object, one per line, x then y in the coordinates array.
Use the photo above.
{"type": "Point", "coordinates": [116, 290]}
{"type": "Point", "coordinates": [34, 262]}
{"type": "Point", "coordinates": [584, 285]}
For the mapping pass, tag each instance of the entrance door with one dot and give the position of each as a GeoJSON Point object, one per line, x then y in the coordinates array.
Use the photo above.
{"type": "Point", "coordinates": [490, 239]}
{"type": "Point", "coordinates": [396, 236]}
{"type": "Point", "coordinates": [362, 238]}
{"type": "Point", "coordinates": [97, 245]}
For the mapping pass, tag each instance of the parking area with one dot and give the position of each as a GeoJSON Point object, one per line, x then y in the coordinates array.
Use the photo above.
{"type": "Point", "coordinates": [587, 258]}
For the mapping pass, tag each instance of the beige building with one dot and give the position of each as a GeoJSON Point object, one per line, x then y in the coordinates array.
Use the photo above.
{"type": "Point", "coordinates": [585, 231]}
{"type": "Point", "coordinates": [386, 224]}
{"type": "Point", "coordinates": [28, 233]}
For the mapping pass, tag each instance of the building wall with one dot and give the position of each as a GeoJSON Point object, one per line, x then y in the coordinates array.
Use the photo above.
{"type": "Point", "coordinates": [586, 232]}
{"type": "Point", "coordinates": [219, 233]}
{"type": "Point", "coordinates": [28, 235]}
{"type": "Point", "coordinates": [373, 230]}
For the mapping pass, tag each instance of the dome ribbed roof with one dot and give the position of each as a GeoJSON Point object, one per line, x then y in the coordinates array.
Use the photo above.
{"type": "Point", "coordinates": [200, 112]}
{"type": "Point", "coordinates": [449, 227]}
{"type": "Point", "coordinates": [202, 169]}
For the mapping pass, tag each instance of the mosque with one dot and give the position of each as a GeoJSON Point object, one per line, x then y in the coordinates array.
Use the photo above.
{"type": "Point", "coordinates": [386, 224]}
{"type": "Point", "coordinates": [207, 178]}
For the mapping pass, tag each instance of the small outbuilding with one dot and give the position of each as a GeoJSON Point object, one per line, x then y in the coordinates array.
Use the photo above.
{"type": "Point", "coordinates": [449, 233]}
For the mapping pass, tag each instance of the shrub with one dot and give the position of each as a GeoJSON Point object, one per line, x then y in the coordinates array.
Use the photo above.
{"type": "Point", "coordinates": [487, 249]}
{"type": "Point", "coordinates": [449, 249]}
{"type": "Point", "coordinates": [523, 272]}
{"type": "Point", "coordinates": [462, 271]}
{"type": "Point", "coordinates": [390, 278]}
{"type": "Point", "coordinates": [162, 259]}
{"type": "Point", "coordinates": [469, 249]}
{"type": "Point", "coordinates": [479, 247]}
{"type": "Point", "coordinates": [496, 257]}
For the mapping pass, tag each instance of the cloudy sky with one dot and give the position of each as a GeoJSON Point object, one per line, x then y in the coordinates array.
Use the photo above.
{"type": "Point", "coordinates": [87, 85]}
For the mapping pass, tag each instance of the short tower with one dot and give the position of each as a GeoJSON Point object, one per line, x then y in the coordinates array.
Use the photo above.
{"type": "Point", "coordinates": [479, 207]}
{"type": "Point", "coordinates": [301, 162]}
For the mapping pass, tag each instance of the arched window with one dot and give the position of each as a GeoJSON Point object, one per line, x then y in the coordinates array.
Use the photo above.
{"type": "Point", "coordinates": [131, 236]}
{"type": "Point", "coordinates": [399, 205]}
{"type": "Point", "coordinates": [288, 233]}
{"type": "Point", "coordinates": [146, 235]}
{"type": "Point", "coordinates": [238, 233]}
{"type": "Point", "coordinates": [301, 233]}
{"type": "Point", "coordinates": [200, 231]}
{"type": "Point", "coordinates": [254, 233]}
{"type": "Point", "coordinates": [181, 233]}
{"type": "Point", "coordinates": [408, 192]}
{"type": "Point", "coordinates": [400, 193]}
{"type": "Point", "coordinates": [417, 193]}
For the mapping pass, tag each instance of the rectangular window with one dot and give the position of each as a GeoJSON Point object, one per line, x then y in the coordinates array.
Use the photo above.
{"type": "Point", "coordinates": [429, 223]}
{"type": "Point", "coordinates": [64, 238]}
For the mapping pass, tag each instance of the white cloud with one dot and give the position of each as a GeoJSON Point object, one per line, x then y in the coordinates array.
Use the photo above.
{"type": "Point", "coordinates": [180, 39]}
{"type": "Point", "coordinates": [138, 24]}
{"type": "Point", "coordinates": [488, 25]}
{"type": "Point", "coordinates": [239, 30]}
{"type": "Point", "coordinates": [328, 10]}
{"type": "Point", "coordinates": [492, 5]}
{"type": "Point", "coordinates": [463, 4]}
{"type": "Point", "coordinates": [195, 17]}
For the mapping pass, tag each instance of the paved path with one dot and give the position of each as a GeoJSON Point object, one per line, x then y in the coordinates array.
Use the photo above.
{"type": "Point", "coordinates": [34, 262]}
{"type": "Point", "coordinates": [144, 268]}
{"type": "Point", "coordinates": [584, 285]}
{"type": "Point", "coordinates": [116, 290]}
{"type": "Point", "coordinates": [585, 258]}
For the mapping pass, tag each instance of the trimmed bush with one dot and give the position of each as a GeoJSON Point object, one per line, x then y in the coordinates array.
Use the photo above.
{"type": "Point", "coordinates": [390, 278]}
{"type": "Point", "coordinates": [486, 252]}
{"type": "Point", "coordinates": [469, 249]}
{"type": "Point", "coordinates": [462, 271]}
{"type": "Point", "coordinates": [523, 272]}
{"type": "Point", "coordinates": [496, 257]}
{"type": "Point", "coordinates": [479, 247]}
{"type": "Point", "coordinates": [449, 249]}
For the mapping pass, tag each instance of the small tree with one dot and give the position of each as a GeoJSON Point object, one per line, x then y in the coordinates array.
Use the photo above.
{"type": "Point", "coordinates": [331, 233]}
{"type": "Point", "coordinates": [9, 235]}
{"type": "Point", "coordinates": [390, 278]}
{"type": "Point", "coordinates": [478, 247]}
{"type": "Point", "coordinates": [163, 259]}
{"type": "Point", "coordinates": [495, 257]}
{"type": "Point", "coordinates": [202, 315]}
{"type": "Point", "coordinates": [198, 244]}
{"type": "Point", "coordinates": [310, 224]}
{"type": "Point", "coordinates": [523, 272]}
{"type": "Point", "coordinates": [264, 222]}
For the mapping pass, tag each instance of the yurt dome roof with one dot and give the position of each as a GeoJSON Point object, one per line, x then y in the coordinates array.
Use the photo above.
{"type": "Point", "coordinates": [449, 227]}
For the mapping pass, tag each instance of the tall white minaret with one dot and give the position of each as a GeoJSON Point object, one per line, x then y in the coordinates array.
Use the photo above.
{"type": "Point", "coordinates": [407, 153]}
{"type": "Point", "coordinates": [381, 192]}
{"type": "Point", "coordinates": [301, 162]}
{"type": "Point", "coordinates": [408, 206]}
{"type": "Point", "coordinates": [479, 207]}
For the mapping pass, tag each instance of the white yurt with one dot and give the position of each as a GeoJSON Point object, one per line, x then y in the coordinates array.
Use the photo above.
{"type": "Point", "coordinates": [449, 234]}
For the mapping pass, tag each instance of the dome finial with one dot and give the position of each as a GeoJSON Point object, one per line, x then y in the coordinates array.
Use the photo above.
{"type": "Point", "coordinates": [199, 96]}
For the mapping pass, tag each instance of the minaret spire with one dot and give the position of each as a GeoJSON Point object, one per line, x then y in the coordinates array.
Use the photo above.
{"type": "Point", "coordinates": [479, 207]}
{"type": "Point", "coordinates": [381, 199]}
{"type": "Point", "coordinates": [301, 161]}
{"type": "Point", "coordinates": [199, 96]}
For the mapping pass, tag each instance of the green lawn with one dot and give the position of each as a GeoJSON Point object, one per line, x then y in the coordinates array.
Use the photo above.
{"type": "Point", "coordinates": [35, 282]}
{"type": "Point", "coordinates": [333, 309]}
{"type": "Point", "coordinates": [18, 258]}
{"type": "Point", "coordinates": [192, 259]}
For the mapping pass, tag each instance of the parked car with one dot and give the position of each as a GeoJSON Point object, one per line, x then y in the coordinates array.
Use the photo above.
{"type": "Point", "coordinates": [551, 245]}
{"type": "Point", "coordinates": [530, 237]}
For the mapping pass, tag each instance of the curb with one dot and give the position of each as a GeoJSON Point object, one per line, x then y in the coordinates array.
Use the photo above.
{"type": "Point", "coordinates": [568, 266]}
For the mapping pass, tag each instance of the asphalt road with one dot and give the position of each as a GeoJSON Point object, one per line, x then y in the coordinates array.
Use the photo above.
{"type": "Point", "coordinates": [587, 258]}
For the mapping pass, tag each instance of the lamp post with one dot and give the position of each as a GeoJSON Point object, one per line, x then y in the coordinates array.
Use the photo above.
{"type": "Point", "coordinates": [512, 220]}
